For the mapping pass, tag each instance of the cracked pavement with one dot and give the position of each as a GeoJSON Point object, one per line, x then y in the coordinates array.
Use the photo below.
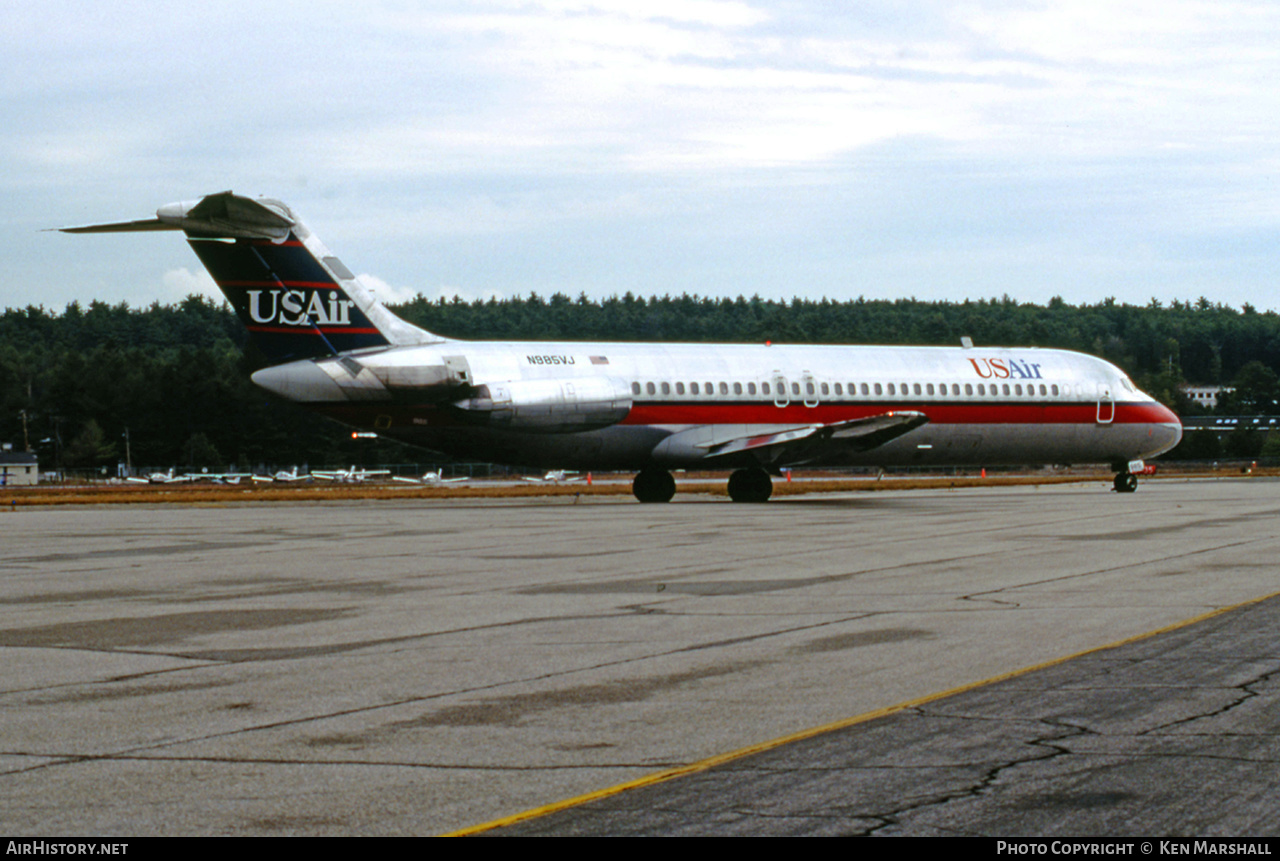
{"type": "Point", "coordinates": [418, 667]}
{"type": "Point", "coordinates": [1177, 735]}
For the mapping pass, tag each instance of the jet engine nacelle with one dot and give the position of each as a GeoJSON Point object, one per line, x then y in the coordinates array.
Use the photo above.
{"type": "Point", "coordinates": [551, 406]}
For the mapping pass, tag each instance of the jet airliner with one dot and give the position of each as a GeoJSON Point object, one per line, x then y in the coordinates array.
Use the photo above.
{"type": "Point", "coordinates": [651, 408]}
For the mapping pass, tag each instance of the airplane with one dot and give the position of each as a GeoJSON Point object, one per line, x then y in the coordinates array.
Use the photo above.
{"type": "Point", "coordinates": [217, 477]}
{"type": "Point", "coordinates": [282, 475]}
{"type": "Point", "coordinates": [556, 476]}
{"type": "Point", "coordinates": [352, 475]}
{"type": "Point", "coordinates": [755, 409]}
{"type": "Point", "coordinates": [187, 477]}
{"type": "Point", "coordinates": [429, 478]}
{"type": "Point", "coordinates": [159, 478]}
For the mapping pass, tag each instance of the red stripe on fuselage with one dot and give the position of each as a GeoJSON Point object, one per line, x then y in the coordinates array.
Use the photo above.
{"type": "Point", "coordinates": [795, 414]}
{"type": "Point", "coordinates": [958, 413]}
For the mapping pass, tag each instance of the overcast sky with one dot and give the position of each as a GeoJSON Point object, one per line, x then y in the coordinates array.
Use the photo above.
{"type": "Point", "coordinates": [882, 149]}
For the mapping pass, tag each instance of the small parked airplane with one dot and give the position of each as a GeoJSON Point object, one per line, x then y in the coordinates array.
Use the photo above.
{"type": "Point", "coordinates": [158, 478]}
{"type": "Point", "coordinates": [351, 475]}
{"type": "Point", "coordinates": [556, 476]}
{"type": "Point", "coordinates": [429, 478]}
{"type": "Point", "coordinates": [282, 475]}
{"type": "Point", "coordinates": [754, 409]}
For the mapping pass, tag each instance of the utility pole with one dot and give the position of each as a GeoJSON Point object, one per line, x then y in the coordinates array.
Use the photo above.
{"type": "Point", "coordinates": [26, 442]}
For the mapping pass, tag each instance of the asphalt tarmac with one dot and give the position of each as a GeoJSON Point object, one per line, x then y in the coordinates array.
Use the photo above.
{"type": "Point", "coordinates": [419, 667]}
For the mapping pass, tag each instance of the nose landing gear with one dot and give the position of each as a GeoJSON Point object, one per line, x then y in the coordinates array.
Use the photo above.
{"type": "Point", "coordinates": [1126, 482]}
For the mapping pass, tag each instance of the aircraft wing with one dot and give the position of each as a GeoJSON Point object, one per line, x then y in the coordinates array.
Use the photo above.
{"type": "Point", "coordinates": [800, 444]}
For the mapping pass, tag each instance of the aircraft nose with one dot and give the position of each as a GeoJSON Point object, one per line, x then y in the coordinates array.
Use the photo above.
{"type": "Point", "coordinates": [1168, 416]}
{"type": "Point", "coordinates": [1169, 426]}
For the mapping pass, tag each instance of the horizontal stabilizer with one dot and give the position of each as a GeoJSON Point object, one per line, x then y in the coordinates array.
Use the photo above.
{"type": "Point", "coordinates": [295, 297]}
{"type": "Point", "coordinates": [217, 215]}
{"type": "Point", "coordinates": [122, 227]}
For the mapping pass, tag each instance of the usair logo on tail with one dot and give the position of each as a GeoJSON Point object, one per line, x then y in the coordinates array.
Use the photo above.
{"type": "Point", "coordinates": [299, 307]}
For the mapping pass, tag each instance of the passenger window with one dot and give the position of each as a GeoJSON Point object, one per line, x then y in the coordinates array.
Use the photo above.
{"type": "Point", "coordinates": [679, 388]}
{"type": "Point", "coordinates": [865, 392]}
{"type": "Point", "coordinates": [968, 388]}
{"type": "Point", "coordinates": [982, 390]}
{"type": "Point", "coordinates": [891, 389]}
{"type": "Point", "coordinates": [929, 389]}
{"type": "Point", "coordinates": [724, 388]}
{"type": "Point", "coordinates": [651, 388]}
{"type": "Point", "coordinates": [1055, 390]}
{"type": "Point", "coordinates": [693, 388]}
{"type": "Point", "coordinates": [839, 389]}
{"type": "Point", "coordinates": [917, 388]}
{"type": "Point", "coordinates": [1017, 389]}
{"type": "Point", "coordinates": [710, 389]}
{"type": "Point", "coordinates": [751, 388]}
{"type": "Point", "coordinates": [878, 388]}
{"type": "Point", "coordinates": [795, 388]}
{"type": "Point", "coordinates": [764, 388]}
{"type": "Point", "coordinates": [666, 388]}
{"type": "Point", "coordinates": [737, 388]}
{"type": "Point", "coordinates": [1006, 389]}
{"type": "Point", "coordinates": [955, 389]}
{"type": "Point", "coordinates": [1042, 391]}
{"type": "Point", "coordinates": [808, 387]}
{"type": "Point", "coordinates": [635, 388]}
{"type": "Point", "coordinates": [826, 390]}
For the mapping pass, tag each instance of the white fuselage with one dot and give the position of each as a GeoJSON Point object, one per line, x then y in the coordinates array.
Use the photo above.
{"type": "Point", "coordinates": [648, 407]}
{"type": "Point", "coordinates": [667, 405]}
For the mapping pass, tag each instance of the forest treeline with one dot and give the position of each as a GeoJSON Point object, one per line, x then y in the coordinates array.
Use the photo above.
{"type": "Point", "coordinates": [176, 377]}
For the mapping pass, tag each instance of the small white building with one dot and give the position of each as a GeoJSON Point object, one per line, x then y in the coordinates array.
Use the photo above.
{"type": "Point", "coordinates": [18, 468]}
{"type": "Point", "coordinates": [1206, 396]}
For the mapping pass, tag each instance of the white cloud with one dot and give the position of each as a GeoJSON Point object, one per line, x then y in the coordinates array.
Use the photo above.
{"type": "Point", "coordinates": [181, 283]}
{"type": "Point", "coordinates": [389, 295]}
{"type": "Point", "coordinates": [570, 127]}
{"type": "Point", "coordinates": [385, 293]}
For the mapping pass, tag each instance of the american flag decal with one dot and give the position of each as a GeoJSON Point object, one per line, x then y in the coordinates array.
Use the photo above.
{"type": "Point", "coordinates": [599, 360]}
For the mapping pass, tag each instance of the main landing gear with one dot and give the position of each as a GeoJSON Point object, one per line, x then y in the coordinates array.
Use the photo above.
{"type": "Point", "coordinates": [750, 485]}
{"type": "Point", "coordinates": [745, 485]}
{"type": "Point", "coordinates": [654, 485]}
{"type": "Point", "coordinates": [1126, 482]}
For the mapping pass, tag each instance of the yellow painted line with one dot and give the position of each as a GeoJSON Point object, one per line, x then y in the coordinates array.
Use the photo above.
{"type": "Point", "coordinates": [772, 744]}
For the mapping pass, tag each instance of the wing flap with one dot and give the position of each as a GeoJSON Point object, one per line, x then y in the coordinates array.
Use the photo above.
{"type": "Point", "coordinates": [810, 442]}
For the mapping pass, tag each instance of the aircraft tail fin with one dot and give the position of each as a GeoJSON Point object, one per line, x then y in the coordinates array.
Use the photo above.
{"type": "Point", "coordinates": [295, 297]}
